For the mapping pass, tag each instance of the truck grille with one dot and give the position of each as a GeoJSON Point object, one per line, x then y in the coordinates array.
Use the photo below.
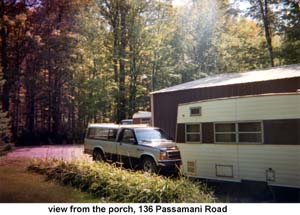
{"type": "Point", "coordinates": [174, 155]}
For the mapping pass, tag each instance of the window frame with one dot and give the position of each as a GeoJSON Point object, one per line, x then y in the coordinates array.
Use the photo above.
{"type": "Point", "coordinates": [122, 136]}
{"type": "Point", "coordinates": [145, 121]}
{"type": "Point", "coordinates": [88, 136]}
{"type": "Point", "coordinates": [99, 138]}
{"type": "Point", "coordinates": [237, 132]}
{"type": "Point", "coordinates": [225, 132]}
{"type": "Point", "coordinates": [199, 107]}
{"type": "Point", "coordinates": [108, 134]}
{"type": "Point", "coordinates": [200, 132]}
{"type": "Point", "coordinates": [103, 128]}
{"type": "Point", "coordinates": [261, 132]}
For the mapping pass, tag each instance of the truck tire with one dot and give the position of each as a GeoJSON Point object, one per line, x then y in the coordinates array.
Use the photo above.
{"type": "Point", "coordinates": [98, 155]}
{"type": "Point", "coordinates": [149, 165]}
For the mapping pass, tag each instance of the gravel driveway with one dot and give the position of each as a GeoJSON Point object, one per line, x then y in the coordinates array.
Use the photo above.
{"type": "Point", "coordinates": [66, 152]}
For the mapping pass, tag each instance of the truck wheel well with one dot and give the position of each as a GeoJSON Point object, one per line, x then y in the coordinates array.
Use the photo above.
{"type": "Point", "coordinates": [98, 150]}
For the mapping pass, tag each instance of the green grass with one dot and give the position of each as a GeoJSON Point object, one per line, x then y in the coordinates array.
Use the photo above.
{"type": "Point", "coordinates": [113, 184]}
{"type": "Point", "coordinates": [17, 185]}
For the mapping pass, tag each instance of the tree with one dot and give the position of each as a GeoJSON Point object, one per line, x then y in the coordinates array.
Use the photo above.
{"type": "Point", "coordinates": [290, 29]}
{"type": "Point", "coordinates": [5, 122]}
{"type": "Point", "coordinates": [239, 43]}
{"type": "Point", "coordinates": [12, 35]}
{"type": "Point", "coordinates": [201, 25]}
{"type": "Point", "coordinates": [261, 10]}
{"type": "Point", "coordinates": [116, 13]}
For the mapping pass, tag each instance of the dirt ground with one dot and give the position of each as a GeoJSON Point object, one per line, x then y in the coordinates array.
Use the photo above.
{"type": "Point", "coordinates": [66, 152]}
{"type": "Point", "coordinates": [17, 185]}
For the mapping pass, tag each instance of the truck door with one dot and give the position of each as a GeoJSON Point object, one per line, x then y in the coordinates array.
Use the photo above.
{"type": "Point", "coordinates": [111, 147]}
{"type": "Point", "coordinates": [127, 148]}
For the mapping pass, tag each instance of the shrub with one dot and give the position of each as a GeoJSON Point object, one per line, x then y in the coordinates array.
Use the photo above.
{"type": "Point", "coordinates": [119, 185]}
{"type": "Point", "coordinates": [5, 148]}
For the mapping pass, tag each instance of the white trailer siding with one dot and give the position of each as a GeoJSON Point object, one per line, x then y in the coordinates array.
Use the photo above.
{"type": "Point", "coordinates": [250, 108]}
{"type": "Point", "coordinates": [207, 156]}
{"type": "Point", "coordinates": [248, 161]}
{"type": "Point", "coordinates": [283, 159]}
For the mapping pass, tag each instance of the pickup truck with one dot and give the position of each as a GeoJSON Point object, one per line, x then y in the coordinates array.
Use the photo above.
{"type": "Point", "coordinates": [133, 145]}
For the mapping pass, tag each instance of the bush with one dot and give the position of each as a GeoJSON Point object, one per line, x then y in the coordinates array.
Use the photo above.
{"type": "Point", "coordinates": [5, 148]}
{"type": "Point", "coordinates": [118, 185]}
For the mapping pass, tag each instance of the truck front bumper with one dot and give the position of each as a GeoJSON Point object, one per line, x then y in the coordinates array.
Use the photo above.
{"type": "Point", "coordinates": [169, 165]}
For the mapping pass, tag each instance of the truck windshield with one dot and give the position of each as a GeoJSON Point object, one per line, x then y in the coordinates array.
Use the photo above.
{"type": "Point", "coordinates": [144, 135]}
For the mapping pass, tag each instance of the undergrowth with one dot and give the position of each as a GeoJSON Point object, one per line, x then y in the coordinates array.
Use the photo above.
{"type": "Point", "coordinates": [113, 184]}
{"type": "Point", "coordinates": [5, 148]}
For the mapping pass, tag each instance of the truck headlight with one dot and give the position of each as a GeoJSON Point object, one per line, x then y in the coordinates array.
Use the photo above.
{"type": "Point", "coordinates": [163, 156]}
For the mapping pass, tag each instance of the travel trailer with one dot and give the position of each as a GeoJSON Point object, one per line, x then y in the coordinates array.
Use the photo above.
{"type": "Point", "coordinates": [142, 117]}
{"type": "Point", "coordinates": [244, 138]}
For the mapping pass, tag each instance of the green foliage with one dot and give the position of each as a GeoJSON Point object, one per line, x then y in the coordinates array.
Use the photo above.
{"type": "Point", "coordinates": [291, 32]}
{"type": "Point", "coordinates": [5, 123]}
{"type": "Point", "coordinates": [118, 185]}
{"type": "Point", "coordinates": [241, 47]}
{"type": "Point", "coordinates": [198, 23]}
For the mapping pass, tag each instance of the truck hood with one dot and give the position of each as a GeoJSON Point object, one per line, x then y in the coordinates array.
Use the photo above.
{"type": "Point", "coordinates": [161, 144]}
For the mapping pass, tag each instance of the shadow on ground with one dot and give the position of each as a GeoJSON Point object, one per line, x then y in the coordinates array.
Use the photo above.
{"type": "Point", "coordinates": [253, 192]}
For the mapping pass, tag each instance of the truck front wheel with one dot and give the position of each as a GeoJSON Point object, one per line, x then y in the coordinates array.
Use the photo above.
{"type": "Point", "coordinates": [149, 165]}
{"type": "Point", "coordinates": [98, 155]}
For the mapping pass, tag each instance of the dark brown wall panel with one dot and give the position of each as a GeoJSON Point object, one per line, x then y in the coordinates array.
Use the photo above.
{"type": "Point", "coordinates": [282, 132]}
{"type": "Point", "coordinates": [165, 104]}
{"type": "Point", "coordinates": [207, 132]}
{"type": "Point", "coordinates": [180, 138]}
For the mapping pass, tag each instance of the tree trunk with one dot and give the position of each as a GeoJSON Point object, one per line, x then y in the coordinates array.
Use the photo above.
{"type": "Point", "coordinates": [56, 111]}
{"type": "Point", "coordinates": [264, 12]}
{"type": "Point", "coordinates": [115, 52]}
{"type": "Point", "coordinates": [133, 80]}
{"type": "Point", "coordinates": [122, 99]}
{"type": "Point", "coordinates": [30, 111]}
{"type": "Point", "coordinates": [49, 99]}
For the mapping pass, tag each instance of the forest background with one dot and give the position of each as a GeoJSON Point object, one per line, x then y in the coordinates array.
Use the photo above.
{"type": "Point", "coordinates": [65, 63]}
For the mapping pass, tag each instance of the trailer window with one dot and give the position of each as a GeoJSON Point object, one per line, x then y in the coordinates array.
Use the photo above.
{"type": "Point", "coordinates": [250, 132]}
{"type": "Point", "coordinates": [225, 132]}
{"type": "Point", "coordinates": [195, 111]}
{"type": "Point", "coordinates": [193, 133]}
{"type": "Point", "coordinates": [225, 127]}
{"type": "Point", "coordinates": [239, 132]}
{"type": "Point", "coordinates": [145, 121]}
